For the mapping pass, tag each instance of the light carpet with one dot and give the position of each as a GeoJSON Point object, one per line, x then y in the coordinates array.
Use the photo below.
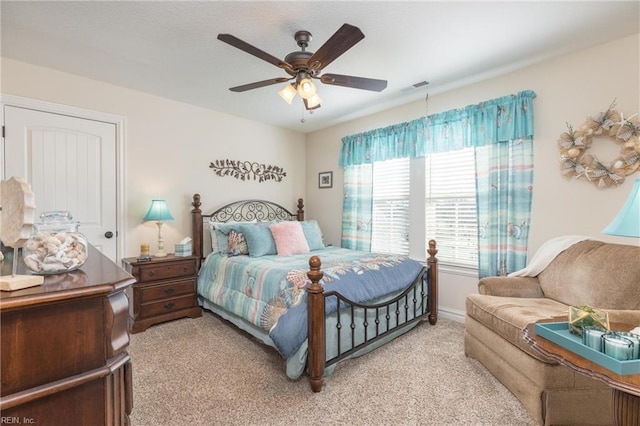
{"type": "Point", "coordinates": [205, 372]}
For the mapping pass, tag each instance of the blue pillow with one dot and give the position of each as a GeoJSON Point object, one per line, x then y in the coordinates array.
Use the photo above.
{"type": "Point", "coordinates": [222, 240]}
{"type": "Point", "coordinates": [313, 234]}
{"type": "Point", "coordinates": [259, 239]}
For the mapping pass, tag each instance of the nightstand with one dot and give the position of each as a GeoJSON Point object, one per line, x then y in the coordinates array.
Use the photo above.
{"type": "Point", "coordinates": [165, 289]}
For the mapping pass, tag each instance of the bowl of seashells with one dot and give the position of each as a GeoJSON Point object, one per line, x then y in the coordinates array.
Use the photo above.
{"type": "Point", "coordinates": [56, 245]}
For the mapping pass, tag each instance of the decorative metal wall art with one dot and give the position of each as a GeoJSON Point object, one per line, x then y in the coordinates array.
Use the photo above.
{"type": "Point", "coordinates": [247, 170]}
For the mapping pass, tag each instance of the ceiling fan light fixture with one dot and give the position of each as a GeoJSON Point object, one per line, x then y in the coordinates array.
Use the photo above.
{"type": "Point", "coordinates": [313, 102]}
{"type": "Point", "coordinates": [288, 93]}
{"type": "Point", "coordinates": [306, 88]}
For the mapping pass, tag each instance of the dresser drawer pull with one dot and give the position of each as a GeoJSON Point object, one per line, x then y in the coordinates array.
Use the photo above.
{"type": "Point", "coordinates": [169, 305]}
{"type": "Point", "coordinates": [151, 273]}
{"type": "Point", "coordinates": [169, 290]}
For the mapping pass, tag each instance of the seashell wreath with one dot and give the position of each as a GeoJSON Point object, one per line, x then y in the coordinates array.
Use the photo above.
{"type": "Point", "coordinates": [573, 144]}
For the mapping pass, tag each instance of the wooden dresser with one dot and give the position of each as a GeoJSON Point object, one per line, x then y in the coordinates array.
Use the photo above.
{"type": "Point", "coordinates": [165, 289]}
{"type": "Point", "coordinates": [64, 350]}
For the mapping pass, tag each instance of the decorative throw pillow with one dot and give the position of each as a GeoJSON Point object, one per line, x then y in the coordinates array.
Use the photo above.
{"type": "Point", "coordinates": [221, 232]}
{"type": "Point", "coordinates": [259, 239]}
{"type": "Point", "coordinates": [313, 234]}
{"type": "Point", "coordinates": [237, 244]}
{"type": "Point", "coordinates": [289, 238]}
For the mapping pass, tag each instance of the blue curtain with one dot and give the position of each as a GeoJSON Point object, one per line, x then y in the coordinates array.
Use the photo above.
{"type": "Point", "coordinates": [505, 127]}
{"type": "Point", "coordinates": [504, 175]}
{"type": "Point", "coordinates": [357, 207]}
{"type": "Point", "coordinates": [397, 141]}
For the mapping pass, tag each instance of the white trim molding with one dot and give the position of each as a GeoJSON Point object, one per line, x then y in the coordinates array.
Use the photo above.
{"type": "Point", "coordinates": [451, 314]}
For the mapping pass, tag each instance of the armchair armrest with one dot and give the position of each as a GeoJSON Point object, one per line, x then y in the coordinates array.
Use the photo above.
{"type": "Point", "coordinates": [510, 287]}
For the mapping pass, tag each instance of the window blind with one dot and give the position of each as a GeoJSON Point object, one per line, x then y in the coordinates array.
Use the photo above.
{"type": "Point", "coordinates": [390, 222]}
{"type": "Point", "coordinates": [450, 211]}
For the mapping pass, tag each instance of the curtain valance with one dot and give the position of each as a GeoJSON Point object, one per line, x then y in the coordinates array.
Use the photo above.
{"type": "Point", "coordinates": [497, 120]}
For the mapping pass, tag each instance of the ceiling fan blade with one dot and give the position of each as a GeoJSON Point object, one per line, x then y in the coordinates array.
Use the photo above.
{"type": "Point", "coordinates": [354, 82]}
{"type": "Point", "coordinates": [252, 50]}
{"type": "Point", "coordinates": [343, 39]}
{"type": "Point", "coordinates": [258, 84]}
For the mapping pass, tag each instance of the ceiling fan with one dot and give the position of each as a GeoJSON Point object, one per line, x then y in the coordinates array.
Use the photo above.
{"type": "Point", "coordinates": [303, 66]}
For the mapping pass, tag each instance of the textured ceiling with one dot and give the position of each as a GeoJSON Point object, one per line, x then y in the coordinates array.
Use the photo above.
{"type": "Point", "coordinates": [170, 48]}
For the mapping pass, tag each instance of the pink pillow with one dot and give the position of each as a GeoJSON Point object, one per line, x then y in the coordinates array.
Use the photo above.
{"type": "Point", "coordinates": [289, 238]}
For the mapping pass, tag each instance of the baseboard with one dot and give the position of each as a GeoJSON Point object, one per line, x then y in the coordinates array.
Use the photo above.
{"type": "Point", "coordinates": [451, 314]}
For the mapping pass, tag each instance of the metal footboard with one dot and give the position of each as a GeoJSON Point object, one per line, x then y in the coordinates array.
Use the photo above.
{"type": "Point", "coordinates": [363, 325]}
{"type": "Point", "coordinates": [355, 326]}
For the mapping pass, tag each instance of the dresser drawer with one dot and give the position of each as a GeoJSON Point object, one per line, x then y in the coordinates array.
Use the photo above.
{"type": "Point", "coordinates": [167, 290]}
{"type": "Point", "coordinates": [167, 270]}
{"type": "Point", "coordinates": [166, 306]}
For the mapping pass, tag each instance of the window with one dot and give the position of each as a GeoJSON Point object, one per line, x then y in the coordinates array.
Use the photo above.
{"type": "Point", "coordinates": [390, 222]}
{"type": "Point", "coordinates": [450, 210]}
{"type": "Point", "coordinates": [448, 191]}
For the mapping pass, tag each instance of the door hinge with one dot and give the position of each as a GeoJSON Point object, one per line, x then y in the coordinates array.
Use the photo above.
{"type": "Point", "coordinates": [3, 131]}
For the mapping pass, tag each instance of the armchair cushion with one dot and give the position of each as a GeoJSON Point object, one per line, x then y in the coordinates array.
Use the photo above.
{"type": "Point", "coordinates": [508, 316]}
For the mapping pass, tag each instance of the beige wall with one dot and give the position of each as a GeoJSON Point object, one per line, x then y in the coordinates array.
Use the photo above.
{"type": "Point", "coordinates": [168, 148]}
{"type": "Point", "coordinates": [568, 90]}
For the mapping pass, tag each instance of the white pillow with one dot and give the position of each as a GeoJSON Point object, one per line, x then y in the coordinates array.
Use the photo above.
{"type": "Point", "coordinates": [214, 239]}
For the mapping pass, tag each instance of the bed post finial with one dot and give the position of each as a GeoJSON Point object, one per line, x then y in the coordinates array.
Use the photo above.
{"type": "Point", "coordinates": [315, 310]}
{"type": "Point", "coordinates": [196, 203]}
{"type": "Point", "coordinates": [196, 229]}
{"type": "Point", "coordinates": [300, 210]}
{"type": "Point", "coordinates": [432, 261]}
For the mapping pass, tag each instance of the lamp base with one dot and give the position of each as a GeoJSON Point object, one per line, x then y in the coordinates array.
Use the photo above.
{"type": "Point", "coordinates": [160, 254]}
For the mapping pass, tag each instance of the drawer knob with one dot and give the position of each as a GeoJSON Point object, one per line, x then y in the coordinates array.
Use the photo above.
{"type": "Point", "coordinates": [151, 273]}
{"type": "Point", "coordinates": [169, 305]}
{"type": "Point", "coordinates": [169, 290]}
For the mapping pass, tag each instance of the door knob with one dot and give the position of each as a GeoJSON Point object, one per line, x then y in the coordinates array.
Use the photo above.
{"type": "Point", "coordinates": [108, 234]}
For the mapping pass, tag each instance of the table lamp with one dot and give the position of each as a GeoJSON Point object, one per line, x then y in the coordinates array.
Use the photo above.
{"type": "Point", "coordinates": [627, 222]}
{"type": "Point", "coordinates": [160, 213]}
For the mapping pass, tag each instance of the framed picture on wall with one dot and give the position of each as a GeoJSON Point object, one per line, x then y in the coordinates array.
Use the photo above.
{"type": "Point", "coordinates": [325, 179]}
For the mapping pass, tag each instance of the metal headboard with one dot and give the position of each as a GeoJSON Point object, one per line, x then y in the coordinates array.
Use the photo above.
{"type": "Point", "coordinates": [237, 211]}
{"type": "Point", "coordinates": [248, 210]}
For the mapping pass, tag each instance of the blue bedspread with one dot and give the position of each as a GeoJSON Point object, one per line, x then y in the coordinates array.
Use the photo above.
{"type": "Point", "coordinates": [270, 291]}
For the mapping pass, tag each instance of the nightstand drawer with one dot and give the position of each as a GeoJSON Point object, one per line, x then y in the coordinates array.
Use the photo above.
{"type": "Point", "coordinates": [166, 290]}
{"type": "Point", "coordinates": [166, 306]}
{"type": "Point", "coordinates": [167, 270]}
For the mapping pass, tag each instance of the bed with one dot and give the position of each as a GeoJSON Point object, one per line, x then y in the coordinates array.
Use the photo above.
{"type": "Point", "coordinates": [316, 305]}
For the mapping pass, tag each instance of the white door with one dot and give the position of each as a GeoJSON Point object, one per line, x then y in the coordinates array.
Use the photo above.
{"type": "Point", "coordinates": [70, 163]}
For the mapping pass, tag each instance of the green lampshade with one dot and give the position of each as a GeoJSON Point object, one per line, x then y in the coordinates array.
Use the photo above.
{"type": "Point", "coordinates": [158, 211]}
{"type": "Point", "coordinates": [627, 222]}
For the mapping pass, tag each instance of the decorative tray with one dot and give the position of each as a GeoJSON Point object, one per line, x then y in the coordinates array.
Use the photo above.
{"type": "Point", "coordinates": [558, 333]}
